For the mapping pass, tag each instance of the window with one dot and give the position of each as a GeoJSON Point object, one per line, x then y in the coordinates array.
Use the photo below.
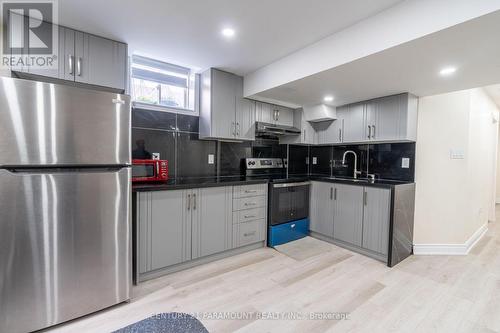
{"type": "Point", "coordinates": [158, 83]}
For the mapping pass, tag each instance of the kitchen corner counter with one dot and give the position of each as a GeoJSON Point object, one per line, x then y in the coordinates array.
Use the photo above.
{"type": "Point", "coordinates": [384, 183]}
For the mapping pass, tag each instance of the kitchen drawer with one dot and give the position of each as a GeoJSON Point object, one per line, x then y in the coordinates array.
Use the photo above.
{"type": "Point", "coordinates": [249, 215]}
{"type": "Point", "coordinates": [248, 232]}
{"type": "Point", "coordinates": [249, 202]}
{"type": "Point", "coordinates": [244, 191]}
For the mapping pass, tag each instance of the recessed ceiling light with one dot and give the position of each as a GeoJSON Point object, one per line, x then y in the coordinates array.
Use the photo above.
{"type": "Point", "coordinates": [328, 98]}
{"type": "Point", "coordinates": [228, 32]}
{"type": "Point", "coordinates": [447, 71]}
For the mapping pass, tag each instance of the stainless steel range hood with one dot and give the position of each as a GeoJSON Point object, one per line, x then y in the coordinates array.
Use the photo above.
{"type": "Point", "coordinates": [275, 130]}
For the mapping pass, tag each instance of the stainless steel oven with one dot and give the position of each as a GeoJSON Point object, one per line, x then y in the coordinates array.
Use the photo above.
{"type": "Point", "coordinates": [288, 202]}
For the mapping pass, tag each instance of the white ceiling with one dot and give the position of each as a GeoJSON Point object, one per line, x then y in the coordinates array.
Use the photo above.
{"type": "Point", "coordinates": [187, 32]}
{"type": "Point", "coordinates": [473, 47]}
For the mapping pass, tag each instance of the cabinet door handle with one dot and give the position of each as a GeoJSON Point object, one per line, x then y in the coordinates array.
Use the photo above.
{"type": "Point", "coordinates": [373, 134]}
{"type": "Point", "coordinates": [278, 115]}
{"type": "Point", "coordinates": [250, 191]}
{"type": "Point", "coordinates": [70, 63]}
{"type": "Point", "coordinates": [233, 128]}
{"type": "Point", "coordinates": [369, 132]}
{"type": "Point", "coordinates": [249, 233]}
{"type": "Point", "coordinates": [365, 198]}
{"type": "Point", "coordinates": [249, 216]}
{"type": "Point", "coordinates": [304, 135]}
{"type": "Point", "coordinates": [194, 201]}
{"type": "Point", "coordinates": [189, 202]}
{"type": "Point", "coordinates": [335, 194]}
{"type": "Point", "coordinates": [331, 193]}
{"type": "Point", "coordinates": [79, 66]}
{"type": "Point", "coordinates": [237, 129]}
{"type": "Point", "coordinates": [250, 203]}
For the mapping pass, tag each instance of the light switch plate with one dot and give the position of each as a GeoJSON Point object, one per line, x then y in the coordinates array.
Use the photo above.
{"type": "Point", "coordinates": [405, 163]}
{"type": "Point", "coordinates": [457, 154]}
{"type": "Point", "coordinates": [315, 160]}
{"type": "Point", "coordinates": [211, 159]}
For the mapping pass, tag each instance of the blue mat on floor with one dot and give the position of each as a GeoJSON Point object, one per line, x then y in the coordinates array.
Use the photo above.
{"type": "Point", "coordinates": [172, 322]}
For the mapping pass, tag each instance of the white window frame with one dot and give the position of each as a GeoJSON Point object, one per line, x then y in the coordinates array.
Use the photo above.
{"type": "Point", "coordinates": [193, 88]}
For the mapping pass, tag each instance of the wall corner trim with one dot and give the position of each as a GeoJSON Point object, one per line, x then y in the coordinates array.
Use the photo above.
{"type": "Point", "coordinates": [451, 249]}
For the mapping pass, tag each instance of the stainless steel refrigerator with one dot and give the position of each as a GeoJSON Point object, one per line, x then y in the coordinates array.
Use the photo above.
{"type": "Point", "coordinates": [64, 203]}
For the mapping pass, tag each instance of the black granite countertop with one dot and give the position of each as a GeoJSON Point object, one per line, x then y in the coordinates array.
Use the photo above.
{"type": "Point", "coordinates": [186, 183]}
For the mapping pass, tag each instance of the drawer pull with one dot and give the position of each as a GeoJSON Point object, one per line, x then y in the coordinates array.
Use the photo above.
{"type": "Point", "coordinates": [250, 191]}
{"type": "Point", "coordinates": [249, 233]}
{"type": "Point", "coordinates": [249, 216]}
{"type": "Point", "coordinates": [250, 203]}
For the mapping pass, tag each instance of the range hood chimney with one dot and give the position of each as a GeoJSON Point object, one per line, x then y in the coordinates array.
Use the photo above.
{"type": "Point", "coordinates": [320, 112]}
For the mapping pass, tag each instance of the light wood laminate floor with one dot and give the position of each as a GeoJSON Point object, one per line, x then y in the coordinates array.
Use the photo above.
{"type": "Point", "coordinates": [421, 294]}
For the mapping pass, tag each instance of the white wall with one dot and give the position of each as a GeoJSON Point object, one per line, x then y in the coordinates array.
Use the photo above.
{"type": "Point", "coordinates": [454, 196]}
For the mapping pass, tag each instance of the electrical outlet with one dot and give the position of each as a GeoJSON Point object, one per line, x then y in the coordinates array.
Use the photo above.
{"type": "Point", "coordinates": [211, 159]}
{"type": "Point", "coordinates": [315, 160]}
{"type": "Point", "coordinates": [457, 154]}
{"type": "Point", "coordinates": [405, 163]}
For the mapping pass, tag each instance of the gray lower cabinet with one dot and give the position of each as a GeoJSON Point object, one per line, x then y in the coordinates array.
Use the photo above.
{"type": "Point", "coordinates": [348, 214]}
{"type": "Point", "coordinates": [321, 208]}
{"type": "Point", "coordinates": [355, 216]}
{"type": "Point", "coordinates": [164, 229]}
{"type": "Point", "coordinates": [376, 217]}
{"type": "Point", "coordinates": [177, 226]}
{"type": "Point", "coordinates": [212, 227]}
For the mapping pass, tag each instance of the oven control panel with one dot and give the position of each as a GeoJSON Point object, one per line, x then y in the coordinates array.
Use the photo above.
{"type": "Point", "coordinates": [264, 163]}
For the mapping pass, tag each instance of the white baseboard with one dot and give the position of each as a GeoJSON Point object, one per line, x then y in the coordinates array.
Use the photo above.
{"type": "Point", "coordinates": [451, 249]}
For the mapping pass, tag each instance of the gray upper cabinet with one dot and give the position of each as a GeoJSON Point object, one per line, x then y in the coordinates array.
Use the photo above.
{"type": "Point", "coordinates": [212, 229]}
{"type": "Point", "coordinates": [321, 208]}
{"type": "Point", "coordinates": [264, 112]}
{"type": "Point", "coordinates": [100, 61]}
{"type": "Point", "coordinates": [224, 114]}
{"type": "Point", "coordinates": [284, 116]}
{"type": "Point", "coordinates": [88, 59]}
{"type": "Point", "coordinates": [354, 123]}
{"type": "Point", "coordinates": [308, 134]}
{"type": "Point", "coordinates": [245, 115]}
{"type": "Point", "coordinates": [274, 114]}
{"type": "Point", "coordinates": [391, 118]}
{"type": "Point", "coordinates": [348, 214]}
{"type": "Point", "coordinates": [376, 218]}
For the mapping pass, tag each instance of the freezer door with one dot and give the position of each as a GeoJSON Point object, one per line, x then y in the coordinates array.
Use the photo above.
{"type": "Point", "coordinates": [52, 124]}
{"type": "Point", "coordinates": [64, 245]}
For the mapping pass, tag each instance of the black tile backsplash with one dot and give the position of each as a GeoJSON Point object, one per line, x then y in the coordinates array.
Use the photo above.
{"type": "Point", "coordinates": [298, 160]}
{"type": "Point", "coordinates": [175, 137]}
{"type": "Point", "coordinates": [187, 123]}
{"type": "Point", "coordinates": [320, 157]}
{"type": "Point", "coordinates": [153, 119]}
{"type": "Point", "coordinates": [148, 141]}
{"type": "Point", "coordinates": [386, 161]}
{"type": "Point", "coordinates": [231, 156]}
{"type": "Point", "coordinates": [192, 156]}
{"type": "Point", "coordinates": [347, 170]}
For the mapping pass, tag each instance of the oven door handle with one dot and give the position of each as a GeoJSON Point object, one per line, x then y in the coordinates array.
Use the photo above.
{"type": "Point", "coordinates": [291, 184]}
